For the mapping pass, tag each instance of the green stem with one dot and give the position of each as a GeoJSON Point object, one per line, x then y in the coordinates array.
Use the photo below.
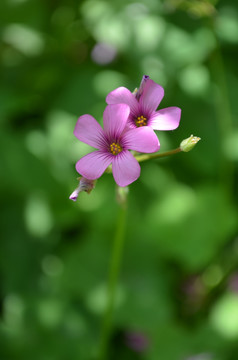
{"type": "Point", "coordinates": [112, 283]}
{"type": "Point", "coordinates": [144, 157]}
{"type": "Point", "coordinates": [223, 111]}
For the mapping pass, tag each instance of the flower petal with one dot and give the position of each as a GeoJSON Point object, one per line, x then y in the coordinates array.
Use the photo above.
{"type": "Point", "coordinates": [122, 95]}
{"type": "Point", "coordinates": [151, 96]}
{"type": "Point", "coordinates": [89, 131]}
{"type": "Point", "coordinates": [93, 165]}
{"type": "Point", "coordinates": [166, 119]}
{"type": "Point", "coordinates": [142, 139]}
{"type": "Point", "coordinates": [114, 119]}
{"type": "Point", "coordinates": [125, 168]}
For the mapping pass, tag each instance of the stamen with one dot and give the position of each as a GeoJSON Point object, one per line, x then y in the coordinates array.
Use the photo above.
{"type": "Point", "coordinates": [141, 121]}
{"type": "Point", "coordinates": [115, 148]}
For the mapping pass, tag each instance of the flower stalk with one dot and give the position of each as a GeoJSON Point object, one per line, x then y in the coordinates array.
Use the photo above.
{"type": "Point", "coordinates": [113, 280]}
{"type": "Point", "coordinates": [185, 146]}
{"type": "Point", "coordinates": [145, 157]}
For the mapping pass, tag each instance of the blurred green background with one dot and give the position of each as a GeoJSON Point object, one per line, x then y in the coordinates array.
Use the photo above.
{"type": "Point", "coordinates": [178, 291]}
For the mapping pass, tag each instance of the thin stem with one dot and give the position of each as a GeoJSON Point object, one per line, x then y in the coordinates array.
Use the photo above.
{"type": "Point", "coordinates": [112, 283]}
{"type": "Point", "coordinates": [223, 111]}
{"type": "Point", "coordinates": [144, 157]}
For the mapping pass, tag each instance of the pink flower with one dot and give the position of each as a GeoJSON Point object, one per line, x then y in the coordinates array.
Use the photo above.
{"type": "Point", "coordinates": [113, 144]}
{"type": "Point", "coordinates": [143, 105]}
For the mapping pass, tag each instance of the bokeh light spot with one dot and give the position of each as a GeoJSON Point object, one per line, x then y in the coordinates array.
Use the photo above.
{"type": "Point", "coordinates": [230, 145]}
{"type": "Point", "coordinates": [95, 9]}
{"type": "Point", "coordinates": [52, 265]}
{"type": "Point", "coordinates": [38, 217]}
{"type": "Point", "coordinates": [36, 143]}
{"type": "Point", "coordinates": [194, 79]}
{"type": "Point", "coordinates": [97, 298]}
{"type": "Point", "coordinates": [108, 80]}
{"type": "Point", "coordinates": [177, 205]}
{"type": "Point", "coordinates": [224, 316]}
{"type": "Point", "coordinates": [149, 32]}
{"type": "Point", "coordinates": [136, 10]}
{"type": "Point", "coordinates": [24, 39]}
{"type": "Point", "coordinates": [13, 311]}
{"type": "Point", "coordinates": [74, 324]}
{"type": "Point", "coordinates": [50, 312]}
{"type": "Point", "coordinates": [154, 66]}
{"type": "Point", "coordinates": [227, 25]}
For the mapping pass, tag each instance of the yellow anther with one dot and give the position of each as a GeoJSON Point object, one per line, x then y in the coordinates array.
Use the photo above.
{"type": "Point", "coordinates": [115, 148]}
{"type": "Point", "coordinates": [141, 121]}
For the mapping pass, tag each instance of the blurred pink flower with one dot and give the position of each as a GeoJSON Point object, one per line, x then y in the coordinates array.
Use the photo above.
{"type": "Point", "coordinates": [137, 341]}
{"type": "Point", "coordinates": [103, 53]}
{"type": "Point", "coordinates": [113, 144]}
{"type": "Point", "coordinates": [143, 104]}
{"type": "Point", "coordinates": [233, 282]}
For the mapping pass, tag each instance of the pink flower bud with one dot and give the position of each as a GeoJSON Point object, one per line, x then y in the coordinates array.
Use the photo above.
{"type": "Point", "coordinates": [84, 185]}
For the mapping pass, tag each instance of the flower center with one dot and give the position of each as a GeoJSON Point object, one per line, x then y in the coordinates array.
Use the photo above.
{"type": "Point", "coordinates": [115, 148]}
{"type": "Point", "coordinates": [141, 121]}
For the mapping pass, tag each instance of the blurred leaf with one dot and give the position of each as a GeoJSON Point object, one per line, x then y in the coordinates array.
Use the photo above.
{"type": "Point", "coordinates": [184, 224]}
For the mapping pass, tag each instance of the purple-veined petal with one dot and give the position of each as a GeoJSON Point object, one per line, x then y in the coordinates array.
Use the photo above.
{"type": "Point", "coordinates": [114, 120]}
{"type": "Point", "coordinates": [142, 139]}
{"type": "Point", "coordinates": [122, 95]}
{"type": "Point", "coordinates": [89, 131]}
{"type": "Point", "coordinates": [166, 119]}
{"type": "Point", "coordinates": [93, 165]}
{"type": "Point", "coordinates": [125, 168]}
{"type": "Point", "coordinates": [151, 96]}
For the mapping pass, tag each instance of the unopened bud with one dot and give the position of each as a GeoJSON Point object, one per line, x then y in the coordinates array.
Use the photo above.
{"type": "Point", "coordinates": [138, 92]}
{"type": "Point", "coordinates": [189, 143]}
{"type": "Point", "coordinates": [84, 185]}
